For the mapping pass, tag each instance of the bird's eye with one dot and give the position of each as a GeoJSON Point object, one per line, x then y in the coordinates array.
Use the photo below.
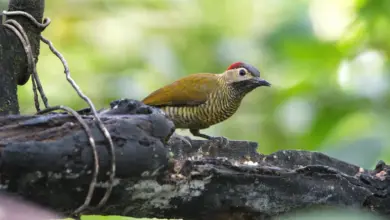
{"type": "Point", "coordinates": [242, 72]}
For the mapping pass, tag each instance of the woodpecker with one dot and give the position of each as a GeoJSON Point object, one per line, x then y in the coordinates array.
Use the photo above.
{"type": "Point", "coordinates": [201, 100]}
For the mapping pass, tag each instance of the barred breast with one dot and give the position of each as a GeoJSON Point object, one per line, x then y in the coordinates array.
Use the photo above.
{"type": "Point", "coordinates": [219, 107]}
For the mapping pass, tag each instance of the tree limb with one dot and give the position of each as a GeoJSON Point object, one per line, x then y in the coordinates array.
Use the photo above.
{"type": "Point", "coordinates": [46, 160]}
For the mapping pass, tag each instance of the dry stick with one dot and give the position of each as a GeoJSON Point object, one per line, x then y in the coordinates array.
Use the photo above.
{"type": "Point", "coordinates": [94, 152]}
{"type": "Point", "coordinates": [111, 151]}
{"type": "Point", "coordinates": [74, 85]}
{"type": "Point", "coordinates": [35, 80]}
{"type": "Point", "coordinates": [36, 98]}
{"type": "Point", "coordinates": [19, 31]}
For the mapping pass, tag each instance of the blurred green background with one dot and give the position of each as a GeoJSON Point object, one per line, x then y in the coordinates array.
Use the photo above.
{"type": "Point", "coordinates": [328, 62]}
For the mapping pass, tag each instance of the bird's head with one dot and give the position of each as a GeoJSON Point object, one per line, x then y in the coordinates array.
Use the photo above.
{"type": "Point", "coordinates": [243, 77]}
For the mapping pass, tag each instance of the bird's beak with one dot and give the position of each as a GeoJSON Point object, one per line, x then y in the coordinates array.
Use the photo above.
{"type": "Point", "coordinates": [261, 82]}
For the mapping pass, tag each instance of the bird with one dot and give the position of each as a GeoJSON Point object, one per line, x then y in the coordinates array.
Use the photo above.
{"type": "Point", "coordinates": [200, 100]}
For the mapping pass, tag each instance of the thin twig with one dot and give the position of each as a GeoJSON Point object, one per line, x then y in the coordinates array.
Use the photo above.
{"type": "Point", "coordinates": [94, 152]}
{"type": "Point", "coordinates": [98, 120]}
{"type": "Point", "coordinates": [37, 85]}
{"type": "Point", "coordinates": [36, 98]}
{"type": "Point", "coordinates": [45, 23]}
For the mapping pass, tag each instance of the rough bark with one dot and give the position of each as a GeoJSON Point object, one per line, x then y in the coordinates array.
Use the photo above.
{"type": "Point", "coordinates": [46, 159]}
{"type": "Point", "coordinates": [13, 60]}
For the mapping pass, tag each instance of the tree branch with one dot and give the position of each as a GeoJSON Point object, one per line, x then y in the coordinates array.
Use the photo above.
{"type": "Point", "coordinates": [46, 160]}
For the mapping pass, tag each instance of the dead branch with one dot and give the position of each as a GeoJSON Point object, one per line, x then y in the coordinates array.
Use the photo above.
{"type": "Point", "coordinates": [45, 159]}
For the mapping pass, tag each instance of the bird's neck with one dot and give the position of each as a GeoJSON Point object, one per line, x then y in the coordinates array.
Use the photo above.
{"type": "Point", "coordinates": [229, 93]}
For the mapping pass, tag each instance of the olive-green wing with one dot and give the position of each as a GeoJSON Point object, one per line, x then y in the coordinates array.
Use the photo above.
{"type": "Point", "coordinates": [190, 90]}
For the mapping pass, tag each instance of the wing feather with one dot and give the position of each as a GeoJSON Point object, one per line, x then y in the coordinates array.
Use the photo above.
{"type": "Point", "coordinates": [190, 90]}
